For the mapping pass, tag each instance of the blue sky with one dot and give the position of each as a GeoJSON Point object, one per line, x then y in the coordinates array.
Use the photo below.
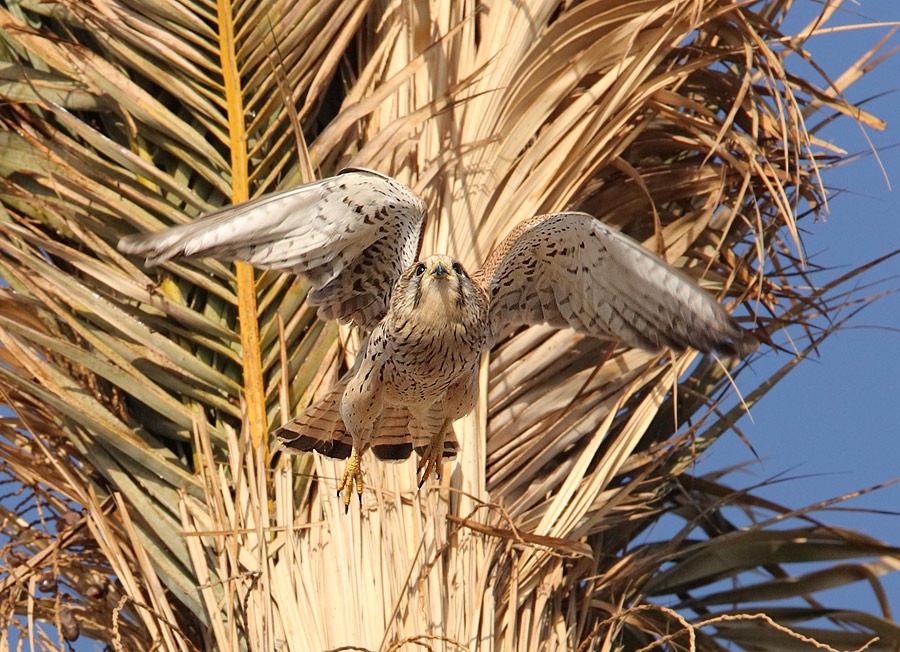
{"type": "Point", "coordinates": [834, 419]}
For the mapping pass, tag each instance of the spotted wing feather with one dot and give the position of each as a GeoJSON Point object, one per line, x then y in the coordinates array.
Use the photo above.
{"type": "Point", "coordinates": [351, 235]}
{"type": "Point", "coordinates": [571, 270]}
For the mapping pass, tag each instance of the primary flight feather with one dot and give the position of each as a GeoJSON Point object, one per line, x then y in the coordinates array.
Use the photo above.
{"type": "Point", "coordinates": [356, 237]}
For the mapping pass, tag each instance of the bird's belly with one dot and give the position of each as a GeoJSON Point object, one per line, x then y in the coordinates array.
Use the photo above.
{"type": "Point", "coordinates": [425, 380]}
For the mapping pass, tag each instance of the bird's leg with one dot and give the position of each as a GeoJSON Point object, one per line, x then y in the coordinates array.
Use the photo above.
{"type": "Point", "coordinates": [432, 456]}
{"type": "Point", "coordinates": [352, 473]}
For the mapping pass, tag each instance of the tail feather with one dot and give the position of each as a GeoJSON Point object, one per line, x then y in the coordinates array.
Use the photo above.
{"type": "Point", "coordinates": [320, 428]}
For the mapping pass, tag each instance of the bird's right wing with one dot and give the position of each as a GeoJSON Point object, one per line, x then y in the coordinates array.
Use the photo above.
{"type": "Point", "coordinates": [351, 235]}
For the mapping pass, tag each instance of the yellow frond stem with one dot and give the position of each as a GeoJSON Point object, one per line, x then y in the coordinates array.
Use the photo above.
{"type": "Point", "coordinates": [246, 287]}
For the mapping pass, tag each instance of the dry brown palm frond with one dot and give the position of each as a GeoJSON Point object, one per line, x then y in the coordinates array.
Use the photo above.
{"type": "Point", "coordinates": [138, 399]}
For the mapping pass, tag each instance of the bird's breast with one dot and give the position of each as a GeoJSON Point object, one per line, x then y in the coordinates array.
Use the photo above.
{"type": "Point", "coordinates": [424, 361]}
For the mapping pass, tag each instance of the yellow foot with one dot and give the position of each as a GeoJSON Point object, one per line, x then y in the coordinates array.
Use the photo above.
{"type": "Point", "coordinates": [352, 473]}
{"type": "Point", "coordinates": [432, 459]}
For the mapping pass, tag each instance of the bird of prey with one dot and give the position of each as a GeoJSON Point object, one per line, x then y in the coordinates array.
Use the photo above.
{"type": "Point", "coordinates": [356, 237]}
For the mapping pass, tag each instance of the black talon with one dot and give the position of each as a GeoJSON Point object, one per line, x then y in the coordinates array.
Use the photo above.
{"type": "Point", "coordinates": [346, 508]}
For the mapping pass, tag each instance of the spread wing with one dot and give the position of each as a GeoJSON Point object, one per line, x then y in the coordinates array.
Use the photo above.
{"type": "Point", "coordinates": [351, 235]}
{"type": "Point", "coordinates": [569, 269]}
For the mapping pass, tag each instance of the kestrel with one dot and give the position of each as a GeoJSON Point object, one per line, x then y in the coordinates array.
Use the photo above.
{"type": "Point", "coordinates": [356, 237]}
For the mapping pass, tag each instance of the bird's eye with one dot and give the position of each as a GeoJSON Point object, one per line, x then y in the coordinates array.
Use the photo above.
{"type": "Point", "coordinates": [458, 269]}
{"type": "Point", "coordinates": [420, 269]}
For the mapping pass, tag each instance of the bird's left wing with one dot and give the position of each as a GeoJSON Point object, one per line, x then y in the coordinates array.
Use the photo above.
{"type": "Point", "coordinates": [351, 235]}
{"type": "Point", "coordinates": [570, 269]}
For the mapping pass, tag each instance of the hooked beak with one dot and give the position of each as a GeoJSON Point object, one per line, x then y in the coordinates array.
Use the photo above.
{"type": "Point", "coordinates": [439, 271]}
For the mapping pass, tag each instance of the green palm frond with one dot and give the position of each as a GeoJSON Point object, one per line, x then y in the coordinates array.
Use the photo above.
{"type": "Point", "coordinates": [137, 398]}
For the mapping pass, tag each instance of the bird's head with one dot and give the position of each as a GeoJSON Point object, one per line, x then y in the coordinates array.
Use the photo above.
{"type": "Point", "coordinates": [437, 290]}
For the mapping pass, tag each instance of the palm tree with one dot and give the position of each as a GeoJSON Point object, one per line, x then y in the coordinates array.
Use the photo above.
{"type": "Point", "coordinates": [144, 506]}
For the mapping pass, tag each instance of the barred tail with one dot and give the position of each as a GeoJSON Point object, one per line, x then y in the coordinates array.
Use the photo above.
{"type": "Point", "coordinates": [320, 428]}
